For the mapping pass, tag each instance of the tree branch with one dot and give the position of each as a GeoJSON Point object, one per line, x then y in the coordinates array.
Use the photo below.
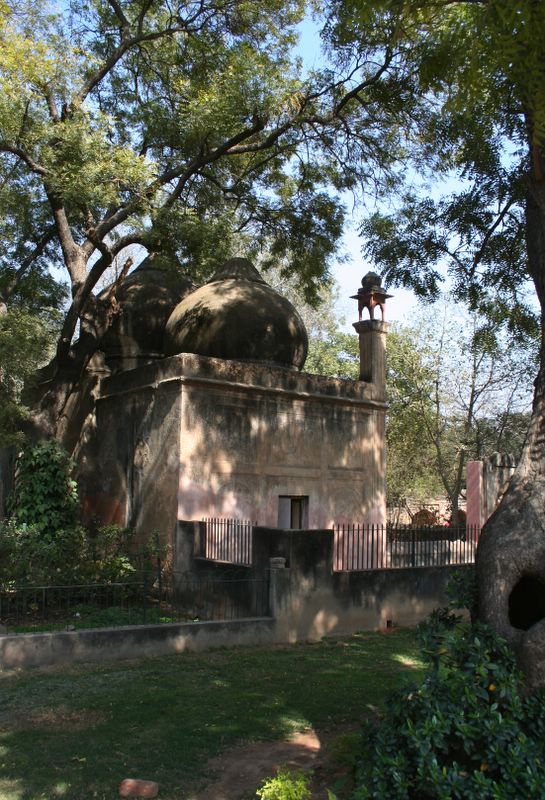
{"type": "Point", "coordinates": [74, 257]}
{"type": "Point", "coordinates": [27, 262]}
{"type": "Point", "coordinates": [479, 254]}
{"type": "Point", "coordinates": [5, 147]}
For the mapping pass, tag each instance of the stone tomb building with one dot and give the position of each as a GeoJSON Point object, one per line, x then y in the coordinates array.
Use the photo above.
{"type": "Point", "coordinates": [208, 413]}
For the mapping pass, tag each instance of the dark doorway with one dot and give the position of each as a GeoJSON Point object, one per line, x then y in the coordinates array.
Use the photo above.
{"type": "Point", "coordinates": [293, 511]}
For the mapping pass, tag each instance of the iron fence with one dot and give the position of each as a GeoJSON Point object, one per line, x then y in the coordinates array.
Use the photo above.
{"type": "Point", "coordinates": [149, 599]}
{"type": "Point", "coordinates": [361, 547]}
{"type": "Point", "coordinates": [227, 540]}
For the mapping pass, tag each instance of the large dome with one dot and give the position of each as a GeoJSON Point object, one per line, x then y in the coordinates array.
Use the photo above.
{"type": "Point", "coordinates": [236, 315]}
{"type": "Point", "coordinates": [146, 299]}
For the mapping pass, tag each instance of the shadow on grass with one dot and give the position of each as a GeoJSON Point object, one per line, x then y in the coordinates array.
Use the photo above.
{"type": "Point", "coordinates": [78, 732]}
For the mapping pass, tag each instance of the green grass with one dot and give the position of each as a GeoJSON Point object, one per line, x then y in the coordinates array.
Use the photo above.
{"type": "Point", "coordinates": [83, 617]}
{"type": "Point", "coordinates": [77, 733]}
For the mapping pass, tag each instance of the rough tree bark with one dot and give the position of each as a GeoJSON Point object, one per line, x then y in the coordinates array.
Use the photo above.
{"type": "Point", "coordinates": [511, 552]}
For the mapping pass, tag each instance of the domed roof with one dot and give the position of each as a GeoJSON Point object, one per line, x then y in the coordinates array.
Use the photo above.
{"type": "Point", "coordinates": [236, 315]}
{"type": "Point", "coordinates": [146, 298]}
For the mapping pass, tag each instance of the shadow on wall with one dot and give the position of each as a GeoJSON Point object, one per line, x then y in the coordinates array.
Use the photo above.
{"type": "Point", "coordinates": [309, 601]}
{"type": "Point", "coordinates": [128, 473]}
{"type": "Point", "coordinates": [243, 450]}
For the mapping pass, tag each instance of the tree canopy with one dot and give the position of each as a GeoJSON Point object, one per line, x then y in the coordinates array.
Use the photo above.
{"type": "Point", "coordinates": [455, 390]}
{"type": "Point", "coordinates": [187, 128]}
{"type": "Point", "coordinates": [477, 69]}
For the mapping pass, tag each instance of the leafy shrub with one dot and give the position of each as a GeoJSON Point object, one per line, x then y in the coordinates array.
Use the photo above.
{"type": "Point", "coordinates": [462, 591]}
{"type": "Point", "coordinates": [43, 544]}
{"type": "Point", "coordinates": [30, 557]}
{"type": "Point", "coordinates": [287, 785]}
{"type": "Point", "coordinates": [109, 553]}
{"type": "Point", "coordinates": [45, 497]}
{"type": "Point", "coordinates": [466, 733]}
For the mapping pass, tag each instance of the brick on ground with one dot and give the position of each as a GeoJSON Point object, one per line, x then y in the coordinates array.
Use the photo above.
{"type": "Point", "coordinates": [134, 787]}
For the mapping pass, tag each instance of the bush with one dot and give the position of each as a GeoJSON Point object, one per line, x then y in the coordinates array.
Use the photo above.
{"type": "Point", "coordinates": [108, 553]}
{"type": "Point", "coordinates": [462, 591]}
{"type": "Point", "coordinates": [287, 785]}
{"type": "Point", "coordinates": [43, 544]}
{"type": "Point", "coordinates": [29, 557]}
{"type": "Point", "coordinates": [467, 732]}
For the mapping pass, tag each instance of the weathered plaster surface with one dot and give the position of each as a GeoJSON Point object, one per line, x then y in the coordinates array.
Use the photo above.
{"type": "Point", "coordinates": [189, 437]}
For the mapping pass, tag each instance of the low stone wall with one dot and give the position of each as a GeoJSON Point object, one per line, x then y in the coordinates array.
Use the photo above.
{"type": "Point", "coordinates": [24, 650]}
{"type": "Point", "coordinates": [311, 605]}
{"type": "Point", "coordinates": [307, 601]}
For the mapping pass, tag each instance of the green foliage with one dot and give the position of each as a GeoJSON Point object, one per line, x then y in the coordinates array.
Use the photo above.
{"type": "Point", "coordinates": [462, 591]}
{"type": "Point", "coordinates": [31, 557]}
{"type": "Point", "coordinates": [467, 732]}
{"type": "Point", "coordinates": [336, 354]}
{"type": "Point", "coordinates": [26, 340]}
{"type": "Point", "coordinates": [287, 785]}
{"type": "Point", "coordinates": [107, 555]}
{"type": "Point", "coordinates": [189, 130]}
{"type": "Point", "coordinates": [458, 390]}
{"type": "Point", "coordinates": [476, 70]}
{"type": "Point", "coordinates": [42, 543]}
{"type": "Point", "coordinates": [45, 495]}
{"type": "Point", "coordinates": [411, 463]}
{"type": "Point", "coordinates": [69, 556]}
{"type": "Point", "coordinates": [180, 127]}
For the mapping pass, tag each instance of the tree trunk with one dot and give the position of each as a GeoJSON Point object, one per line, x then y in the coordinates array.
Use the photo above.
{"type": "Point", "coordinates": [63, 394]}
{"type": "Point", "coordinates": [511, 552]}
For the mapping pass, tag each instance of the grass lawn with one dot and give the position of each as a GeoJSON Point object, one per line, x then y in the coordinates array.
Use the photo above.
{"type": "Point", "coordinates": [76, 733]}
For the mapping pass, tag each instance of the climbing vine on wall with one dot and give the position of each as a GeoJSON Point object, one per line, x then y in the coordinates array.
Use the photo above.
{"type": "Point", "coordinates": [45, 496]}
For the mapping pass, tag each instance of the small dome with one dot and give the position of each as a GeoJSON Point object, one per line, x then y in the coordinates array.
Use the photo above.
{"type": "Point", "coordinates": [371, 282]}
{"type": "Point", "coordinates": [237, 268]}
{"type": "Point", "coordinates": [146, 298]}
{"type": "Point", "coordinates": [236, 315]}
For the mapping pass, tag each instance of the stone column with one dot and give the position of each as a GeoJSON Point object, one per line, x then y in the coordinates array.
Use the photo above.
{"type": "Point", "coordinates": [474, 494]}
{"type": "Point", "coordinates": [372, 333]}
{"type": "Point", "coordinates": [279, 588]}
{"type": "Point", "coordinates": [486, 482]}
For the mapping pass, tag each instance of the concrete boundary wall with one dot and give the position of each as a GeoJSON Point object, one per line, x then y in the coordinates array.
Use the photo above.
{"type": "Point", "coordinates": [306, 605]}
{"type": "Point", "coordinates": [24, 650]}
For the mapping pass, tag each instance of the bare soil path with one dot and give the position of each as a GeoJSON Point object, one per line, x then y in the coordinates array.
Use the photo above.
{"type": "Point", "coordinates": [237, 773]}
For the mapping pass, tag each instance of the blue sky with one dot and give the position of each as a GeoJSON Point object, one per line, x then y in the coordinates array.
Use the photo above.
{"type": "Point", "coordinates": [350, 266]}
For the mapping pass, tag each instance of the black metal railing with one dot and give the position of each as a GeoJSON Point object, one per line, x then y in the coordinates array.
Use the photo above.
{"type": "Point", "coordinates": [227, 540]}
{"type": "Point", "coordinates": [143, 600]}
{"type": "Point", "coordinates": [359, 547]}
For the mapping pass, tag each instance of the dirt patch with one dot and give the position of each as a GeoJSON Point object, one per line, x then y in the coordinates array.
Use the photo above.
{"type": "Point", "coordinates": [60, 718]}
{"type": "Point", "coordinates": [239, 771]}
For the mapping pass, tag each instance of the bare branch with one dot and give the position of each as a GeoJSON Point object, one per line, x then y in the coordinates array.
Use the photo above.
{"type": "Point", "coordinates": [74, 256]}
{"type": "Point", "coordinates": [79, 300]}
{"type": "Point", "coordinates": [479, 254]}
